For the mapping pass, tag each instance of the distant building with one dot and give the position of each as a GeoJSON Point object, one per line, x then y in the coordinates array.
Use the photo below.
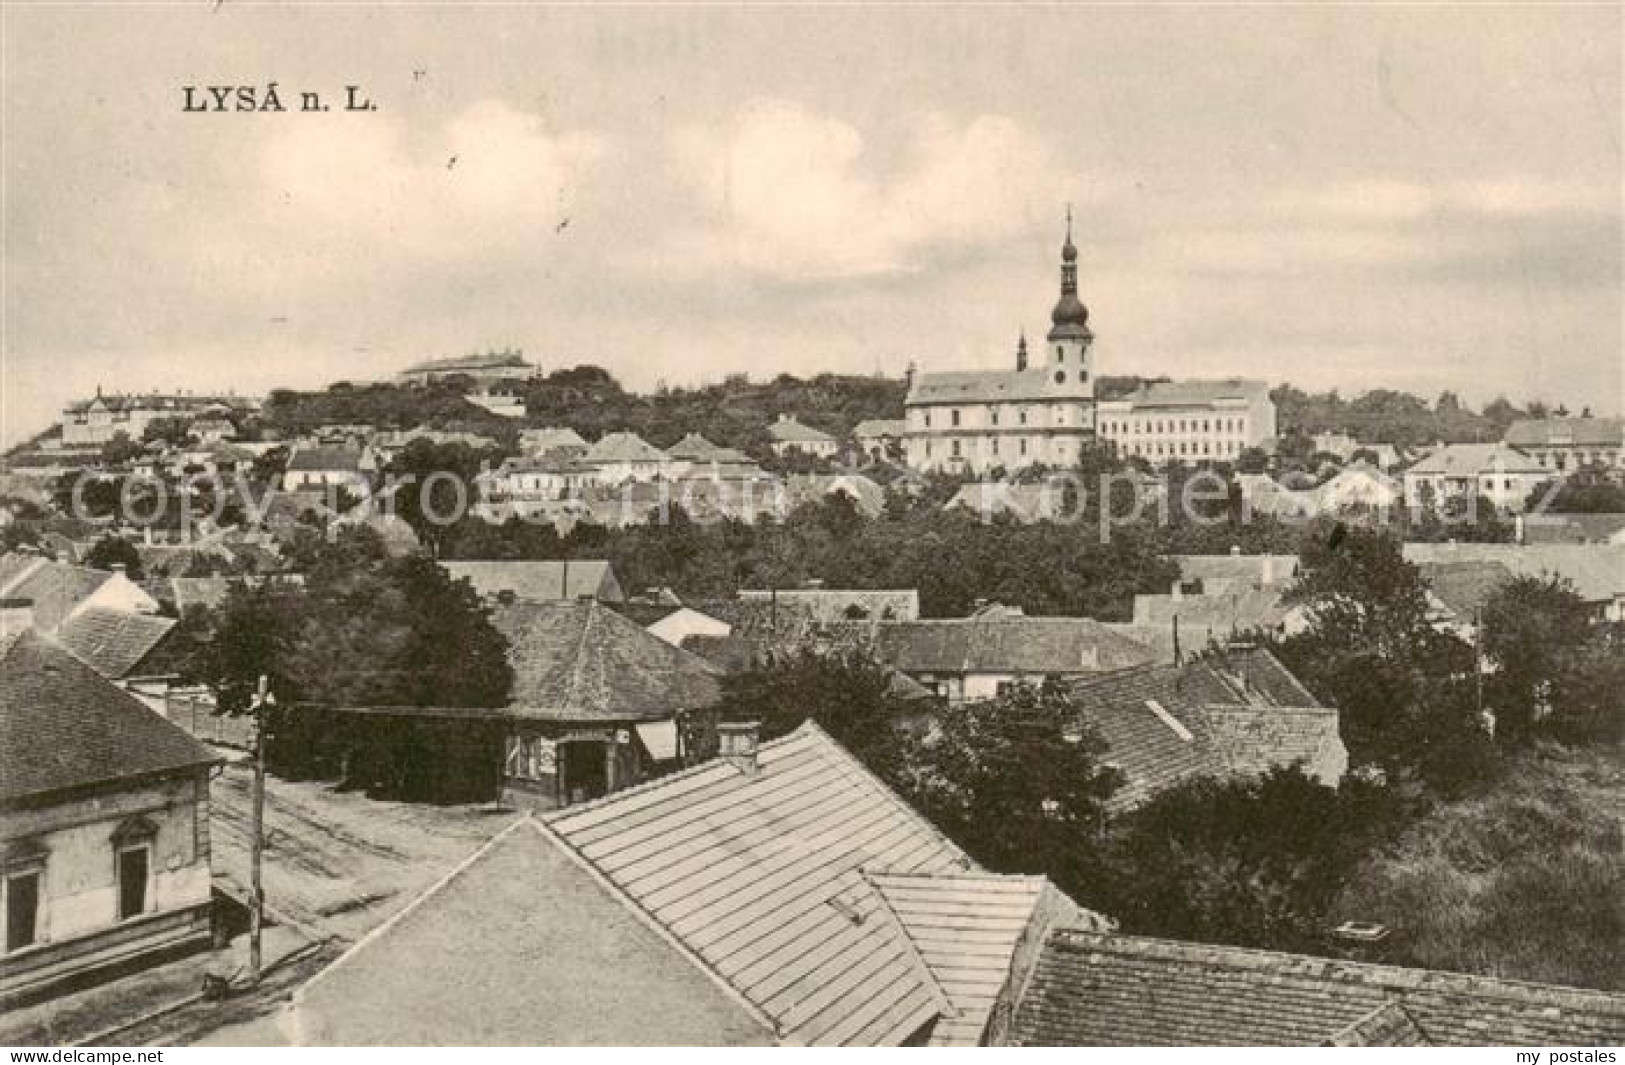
{"type": "Point", "coordinates": [1043, 411]}
{"type": "Point", "coordinates": [504, 365]}
{"type": "Point", "coordinates": [620, 457]}
{"type": "Point", "coordinates": [539, 580]}
{"type": "Point", "coordinates": [789, 435]}
{"type": "Point", "coordinates": [322, 467]}
{"type": "Point", "coordinates": [1597, 571]}
{"type": "Point", "coordinates": [1570, 443]}
{"type": "Point", "coordinates": [104, 825]}
{"type": "Point", "coordinates": [553, 442]}
{"type": "Point", "coordinates": [1190, 421]}
{"type": "Point", "coordinates": [97, 420]}
{"type": "Point", "coordinates": [502, 404]}
{"type": "Point", "coordinates": [878, 438]}
{"type": "Point", "coordinates": [1463, 472]}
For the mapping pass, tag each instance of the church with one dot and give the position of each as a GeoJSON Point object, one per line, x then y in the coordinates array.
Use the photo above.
{"type": "Point", "coordinates": [1041, 412]}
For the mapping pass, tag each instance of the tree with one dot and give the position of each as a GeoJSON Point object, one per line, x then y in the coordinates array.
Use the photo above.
{"type": "Point", "coordinates": [1406, 691]}
{"type": "Point", "coordinates": [1585, 491]}
{"type": "Point", "coordinates": [1530, 626]}
{"type": "Point", "coordinates": [850, 696]}
{"type": "Point", "coordinates": [172, 432]}
{"type": "Point", "coordinates": [1255, 862]}
{"type": "Point", "coordinates": [111, 551]}
{"type": "Point", "coordinates": [120, 450]}
{"type": "Point", "coordinates": [1017, 781]}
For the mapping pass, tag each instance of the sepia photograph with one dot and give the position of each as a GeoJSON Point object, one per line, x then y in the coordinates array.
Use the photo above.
{"type": "Point", "coordinates": [602, 525]}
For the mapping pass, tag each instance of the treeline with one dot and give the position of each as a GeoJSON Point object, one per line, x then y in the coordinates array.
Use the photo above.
{"type": "Point", "coordinates": [1386, 416]}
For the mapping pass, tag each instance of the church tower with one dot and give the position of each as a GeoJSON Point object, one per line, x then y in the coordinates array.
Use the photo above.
{"type": "Point", "coordinates": [1067, 357]}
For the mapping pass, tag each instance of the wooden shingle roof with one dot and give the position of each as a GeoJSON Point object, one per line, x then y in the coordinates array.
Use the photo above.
{"type": "Point", "coordinates": [1092, 989]}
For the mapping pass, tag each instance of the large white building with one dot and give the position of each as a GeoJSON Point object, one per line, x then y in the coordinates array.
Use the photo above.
{"type": "Point", "coordinates": [1190, 421]}
{"type": "Point", "coordinates": [1043, 411]}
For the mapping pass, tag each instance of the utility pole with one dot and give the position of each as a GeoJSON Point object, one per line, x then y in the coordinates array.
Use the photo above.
{"type": "Point", "coordinates": [262, 699]}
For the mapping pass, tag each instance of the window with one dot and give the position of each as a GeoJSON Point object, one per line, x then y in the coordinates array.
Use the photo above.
{"type": "Point", "coordinates": [1060, 377]}
{"type": "Point", "coordinates": [928, 419]}
{"type": "Point", "coordinates": [1023, 417]}
{"type": "Point", "coordinates": [1024, 445]}
{"type": "Point", "coordinates": [953, 417]}
{"type": "Point", "coordinates": [22, 909]}
{"type": "Point", "coordinates": [1060, 353]}
{"type": "Point", "coordinates": [993, 415]}
{"type": "Point", "coordinates": [132, 880]}
{"type": "Point", "coordinates": [956, 448]}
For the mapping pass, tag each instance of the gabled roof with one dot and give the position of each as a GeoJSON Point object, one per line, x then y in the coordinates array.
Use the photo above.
{"type": "Point", "coordinates": [113, 642]}
{"type": "Point", "coordinates": [539, 580]}
{"type": "Point", "coordinates": [1597, 570]}
{"type": "Point", "coordinates": [1027, 645]}
{"type": "Point", "coordinates": [578, 660]}
{"type": "Point", "coordinates": [324, 459]}
{"type": "Point", "coordinates": [1464, 587]}
{"type": "Point", "coordinates": [1093, 989]}
{"type": "Point", "coordinates": [624, 447]}
{"type": "Point", "coordinates": [529, 950]}
{"type": "Point", "coordinates": [981, 386]}
{"type": "Point", "coordinates": [790, 431]}
{"type": "Point", "coordinates": [1575, 432]}
{"type": "Point", "coordinates": [693, 447]}
{"type": "Point", "coordinates": [65, 726]}
{"type": "Point", "coordinates": [1472, 460]}
{"type": "Point", "coordinates": [56, 588]}
{"type": "Point", "coordinates": [1237, 713]}
{"type": "Point", "coordinates": [778, 882]}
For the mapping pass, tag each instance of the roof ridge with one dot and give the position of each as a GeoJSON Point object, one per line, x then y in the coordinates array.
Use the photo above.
{"type": "Point", "coordinates": [1409, 978]}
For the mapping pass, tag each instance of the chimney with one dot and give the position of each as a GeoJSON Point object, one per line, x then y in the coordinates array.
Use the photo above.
{"type": "Point", "coordinates": [737, 742]}
{"type": "Point", "coordinates": [117, 568]}
{"type": "Point", "coordinates": [16, 615]}
{"type": "Point", "coordinates": [784, 417]}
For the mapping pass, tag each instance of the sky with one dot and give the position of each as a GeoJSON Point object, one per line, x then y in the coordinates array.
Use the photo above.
{"type": "Point", "coordinates": [1415, 197]}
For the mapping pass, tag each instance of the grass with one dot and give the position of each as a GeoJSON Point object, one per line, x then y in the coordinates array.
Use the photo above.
{"type": "Point", "coordinates": [1524, 882]}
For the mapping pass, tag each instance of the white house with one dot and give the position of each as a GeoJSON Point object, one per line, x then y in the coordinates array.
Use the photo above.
{"type": "Point", "coordinates": [1503, 475]}
{"type": "Point", "coordinates": [789, 435]}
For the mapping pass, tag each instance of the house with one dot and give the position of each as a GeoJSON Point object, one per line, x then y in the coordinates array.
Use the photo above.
{"type": "Point", "coordinates": [965, 659]}
{"type": "Point", "coordinates": [594, 701]}
{"type": "Point", "coordinates": [820, 605]}
{"type": "Point", "coordinates": [323, 467]}
{"type": "Point", "coordinates": [104, 825]}
{"type": "Point", "coordinates": [780, 894]}
{"type": "Point", "coordinates": [1216, 573]}
{"type": "Point", "coordinates": [693, 450]}
{"type": "Point", "coordinates": [880, 439]}
{"type": "Point", "coordinates": [1359, 485]}
{"type": "Point", "coordinates": [672, 621]}
{"type": "Point", "coordinates": [539, 580]}
{"type": "Point", "coordinates": [1563, 444]}
{"type": "Point", "coordinates": [58, 590]}
{"type": "Point", "coordinates": [502, 404]}
{"type": "Point", "coordinates": [113, 642]}
{"type": "Point", "coordinates": [1597, 571]}
{"type": "Point", "coordinates": [1099, 989]}
{"type": "Point", "coordinates": [789, 436]}
{"type": "Point", "coordinates": [95, 421]}
{"type": "Point", "coordinates": [1190, 421]}
{"type": "Point", "coordinates": [1234, 712]}
{"type": "Point", "coordinates": [620, 457]}
{"type": "Point", "coordinates": [1229, 610]}
{"type": "Point", "coordinates": [523, 486]}
{"type": "Point", "coordinates": [1459, 473]}
{"type": "Point", "coordinates": [552, 441]}
{"type": "Point", "coordinates": [491, 367]}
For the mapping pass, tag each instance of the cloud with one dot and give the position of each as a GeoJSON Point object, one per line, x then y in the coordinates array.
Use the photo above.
{"type": "Point", "coordinates": [793, 195]}
{"type": "Point", "coordinates": [491, 174]}
{"type": "Point", "coordinates": [1503, 197]}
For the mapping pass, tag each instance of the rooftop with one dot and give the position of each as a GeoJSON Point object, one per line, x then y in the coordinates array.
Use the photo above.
{"type": "Point", "coordinates": [67, 727]}
{"type": "Point", "coordinates": [1575, 432]}
{"type": "Point", "coordinates": [578, 660]}
{"type": "Point", "coordinates": [1093, 989]}
{"type": "Point", "coordinates": [1197, 393]}
{"type": "Point", "coordinates": [539, 580]}
{"type": "Point", "coordinates": [113, 642]}
{"type": "Point", "coordinates": [1470, 460]}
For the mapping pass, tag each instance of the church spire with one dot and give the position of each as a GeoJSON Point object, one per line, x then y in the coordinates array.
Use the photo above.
{"type": "Point", "coordinates": [1070, 317]}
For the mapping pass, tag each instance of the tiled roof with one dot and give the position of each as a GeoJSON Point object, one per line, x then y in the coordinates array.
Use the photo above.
{"type": "Point", "coordinates": [1232, 609]}
{"type": "Point", "coordinates": [981, 386]}
{"type": "Point", "coordinates": [837, 604]}
{"type": "Point", "coordinates": [1027, 645]}
{"type": "Point", "coordinates": [1572, 528]}
{"type": "Point", "coordinates": [1597, 570]}
{"type": "Point", "coordinates": [539, 580]}
{"type": "Point", "coordinates": [578, 660]}
{"type": "Point", "coordinates": [1235, 713]}
{"type": "Point", "coordinates": [529, 950]}
{"type": "Point", "coordinates": [113, 642]}
{"type": "Point", "coordinates": [1464, 587]}
{"type": "Point", "coordinates": [790, 431]}
{"type": "Point", "coordinates": [624, 447]}
{"type": "Point", "coordinates": [1197, 393]}
{"type": "Point", "coordinates": [65, 726]}
{"type": "Point", "coordinates": [870, 427]}
{"type": "Point", "coordinates": [1093, 989]}
{"type": "Point", "coordinates": [1577, 432]}
{"type": "Point", "coordinates": [1470, 460]}
{"type": "Point", "coordinates": [774, 880]}
{"type": "Point", "coordinates": [56, 588]}
{"type": "Point", "coordinates": [323, 459]}
{"type": "Point", "coordinates": [1240, 569]}
{"type": "Point", "coordinates": [693, 447]}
